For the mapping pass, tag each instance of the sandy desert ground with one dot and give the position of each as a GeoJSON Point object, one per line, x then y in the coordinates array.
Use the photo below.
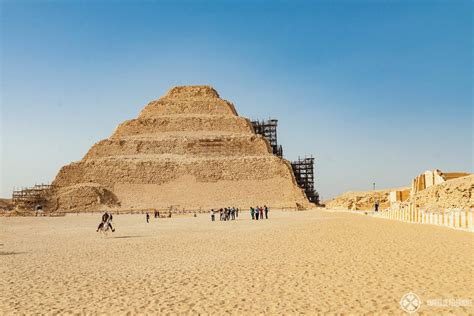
{"type": "Point", "coordinates": [295, 262]}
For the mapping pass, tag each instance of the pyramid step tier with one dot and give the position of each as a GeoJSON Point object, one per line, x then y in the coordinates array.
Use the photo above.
{"type": "Point", "coordinates": [166, 168]}
{"type": "Point", "coordinates": [170, 107]}
{"type": "Point", "coordinates": [229, 124]}
{"type": "Point", "coordinates": [246, 145]}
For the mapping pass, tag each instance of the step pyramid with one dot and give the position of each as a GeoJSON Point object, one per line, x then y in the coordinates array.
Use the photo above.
{"type": "Point", "coordinates": [190, 150]}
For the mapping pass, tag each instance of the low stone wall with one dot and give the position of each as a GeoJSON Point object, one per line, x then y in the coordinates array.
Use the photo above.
{"type": "Point", "coordinates": [453, 218]}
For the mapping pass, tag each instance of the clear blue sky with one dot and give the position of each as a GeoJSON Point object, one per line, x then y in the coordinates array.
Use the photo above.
{"type": "Point", "coordinates": [377, 91]}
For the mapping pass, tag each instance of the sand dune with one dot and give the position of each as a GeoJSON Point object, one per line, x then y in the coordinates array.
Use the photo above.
{"type": "Point", "coordinates": [296, 262]}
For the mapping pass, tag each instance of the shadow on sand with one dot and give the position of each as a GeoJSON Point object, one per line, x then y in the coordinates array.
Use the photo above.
{"type": "Point", "coordinates": [10, 253]}
{"type": "Point", "coordinates": [125, 237]}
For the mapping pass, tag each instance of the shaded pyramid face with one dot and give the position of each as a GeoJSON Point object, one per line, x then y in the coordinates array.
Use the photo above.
{"type": "Point", "coordinates": [189, 149]}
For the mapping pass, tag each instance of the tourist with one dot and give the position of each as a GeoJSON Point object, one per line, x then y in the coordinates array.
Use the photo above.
{"type": "Point", "coordinates": [106, 222]}
{"type": "Point", "coordinates": [376, 206]}
{"type": "Point", "coordinates": [252, 212]}
{"type": "Point", "coordinates": [237, 212]}
{"type": "Point", "coordinates": [156, 213]}
{"type": "Point", "coordinates": [256, 213]}
{"type": "Point", "coordinates": [109, 222]}
{"type": "Point", "coordinates": [232, 213]}
{"type": "Point", "coordinates": [266, 212]}
{"type": "Point", "coordinates": [105, 217]}
{"type": "Point", "coordinates": [147, 217]}
{"type": "Point", "coordinates": [212, 215]}
{"type": "Point", "coordinates": [261, 213]}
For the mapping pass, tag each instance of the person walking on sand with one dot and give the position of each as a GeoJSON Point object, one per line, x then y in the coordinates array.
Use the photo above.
{"type": "Point", "coordinates": [261, 213]}
{"type": "Point", "coordinates": [213, 216]}
{"type": "Point", "coordinates": [256, 213]}
{"type": "Point", "coordinates": [252, 213]}
{"type": "Point", "coordinates": [105, 217]}
{"type": "Point", "coordinates": [376, 206]}
{"type": "Point", "coordinates": [237, 212]}
{"type": "Point", "coordinates": [109, 222]}
{"type": "Point", "coordinates": [147, 217]}
{"type": "Point", "coordinates": [106, 222]}
{"type": "Point", "coordinates": [266, 211]}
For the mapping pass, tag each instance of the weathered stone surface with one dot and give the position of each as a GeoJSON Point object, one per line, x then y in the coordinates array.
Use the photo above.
{"type": "Point", "coordinates": [457, 193]}
{"type": "Point", "coordinates": [363, 200]}
{"type": "Point", "coordinates": [188, 149]}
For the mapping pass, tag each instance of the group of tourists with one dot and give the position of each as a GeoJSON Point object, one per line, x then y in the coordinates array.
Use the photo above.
{"type": "Point", "coordinates": [156, 214]}
{"type": "Point", "coordinates": [225, 214]}
{"type": "Point", "coordinates": [259, 212]}
{"type": "Point", "coordinates": [231, 213]}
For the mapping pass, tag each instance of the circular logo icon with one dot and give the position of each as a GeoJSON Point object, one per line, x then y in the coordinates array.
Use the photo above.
{"type": "Point", "coordinates": [410, 302]}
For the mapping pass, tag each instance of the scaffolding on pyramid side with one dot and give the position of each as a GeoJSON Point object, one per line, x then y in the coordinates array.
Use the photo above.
{"type": "Point", "coordinates": [268, 129]}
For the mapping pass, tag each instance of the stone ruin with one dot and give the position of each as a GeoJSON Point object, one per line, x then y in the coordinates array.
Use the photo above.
{"type": "Point", "coordinates": [190, 150]}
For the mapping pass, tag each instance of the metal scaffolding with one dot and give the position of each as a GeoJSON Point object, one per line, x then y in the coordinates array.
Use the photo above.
{"type": "Point", "coordinates": [303, 169]}
{"type": "Point", "coordinates": [268, 129]}
{"type": "Point", "coordinates": [31, 197]}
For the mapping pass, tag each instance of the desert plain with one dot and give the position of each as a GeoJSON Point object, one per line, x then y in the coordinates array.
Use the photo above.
{"type": "Point", "coordinates": [295, 262]}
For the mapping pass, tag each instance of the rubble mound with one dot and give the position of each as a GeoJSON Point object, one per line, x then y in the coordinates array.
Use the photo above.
{"type": "Point", "coordinates": [189, 149]}
{"type": "Point", "coordinates": [85, 197]}
{"type": "Point", "coordinates": [456, 193]}
{"type": "Point", "coordinates": [363, 200]}
{"type": "Point", "coordinates": [6, 205]}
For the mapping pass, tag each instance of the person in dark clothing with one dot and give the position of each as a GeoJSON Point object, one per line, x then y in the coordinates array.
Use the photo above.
{"type": "Point", "coordinates": [237, 212]}
{"type": "Point", "coordinates": [266, 212]}
{"type": "Point", "coordinates": [106, 221]}
{"type": "Point", "coordinates": [105, 217]}
{"type": "Point", "coordinates": [156, 214]}
{"type": "Point", "coordinates": [256, 213]}
{"type": "Point", "coordinates": [261, 213]}
{"type": "Point", "coordinates": [109, 222]}
{"type": "Point", "coordinates": [252, 213]}
{"type": "Point", "coordinates": [376, 206]}
{"type": "Point", "coordinates": [147, 217]}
